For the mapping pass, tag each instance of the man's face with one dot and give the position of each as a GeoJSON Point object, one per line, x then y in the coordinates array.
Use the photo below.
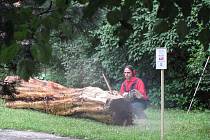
{"type": "Point", "coordinates": [127, 73]}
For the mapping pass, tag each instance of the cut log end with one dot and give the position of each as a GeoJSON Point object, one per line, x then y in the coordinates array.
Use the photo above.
{"type": "Point", "coordinates": [121, 111]}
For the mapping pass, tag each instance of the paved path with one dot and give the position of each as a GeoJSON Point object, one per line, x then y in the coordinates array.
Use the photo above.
{"type": "Point", "coordinates": [8, 134]}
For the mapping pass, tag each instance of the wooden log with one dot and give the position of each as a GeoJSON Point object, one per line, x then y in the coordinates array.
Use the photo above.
{"type": "Point", "coordinates": [53, 98]}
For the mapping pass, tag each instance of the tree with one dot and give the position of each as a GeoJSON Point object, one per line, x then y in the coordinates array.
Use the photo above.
{"type": "Point", "coordinates": [25, 26]}
{"type": "Point", "coordinates": [186, 53]}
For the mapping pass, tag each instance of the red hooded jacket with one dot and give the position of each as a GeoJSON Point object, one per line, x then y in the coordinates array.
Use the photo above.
{"type": "Point", "coordinates": [138, 86]}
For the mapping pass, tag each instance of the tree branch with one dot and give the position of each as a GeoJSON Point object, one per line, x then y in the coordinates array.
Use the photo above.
{"type": "Point", "coordinates": [46, 11]}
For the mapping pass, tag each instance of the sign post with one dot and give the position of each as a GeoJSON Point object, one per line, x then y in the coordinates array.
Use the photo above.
{"type": "Point", "coordinates": [161, 63]}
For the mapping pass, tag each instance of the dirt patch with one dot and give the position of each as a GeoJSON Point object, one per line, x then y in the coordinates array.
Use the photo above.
{"type": "Point", "coordinates": [8, 134]}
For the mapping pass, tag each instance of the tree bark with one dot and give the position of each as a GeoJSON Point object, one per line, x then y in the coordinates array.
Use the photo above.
{"type": "Point", "coordinates": [53, 98]}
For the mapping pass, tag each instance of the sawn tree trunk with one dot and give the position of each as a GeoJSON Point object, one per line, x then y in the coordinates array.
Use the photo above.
{"type": "Point", "coordinates": [53, 98]}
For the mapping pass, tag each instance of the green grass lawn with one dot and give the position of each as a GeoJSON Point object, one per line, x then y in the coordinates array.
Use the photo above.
{"type": "Point", "coordinates": [178, 125]}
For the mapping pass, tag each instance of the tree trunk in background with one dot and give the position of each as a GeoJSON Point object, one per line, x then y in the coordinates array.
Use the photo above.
{"type": "Point", "coordinates": [53, 98]}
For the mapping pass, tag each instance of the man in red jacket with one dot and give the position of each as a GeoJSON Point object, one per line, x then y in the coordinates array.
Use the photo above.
{"type": "Point", "coordinates": [133, 89]}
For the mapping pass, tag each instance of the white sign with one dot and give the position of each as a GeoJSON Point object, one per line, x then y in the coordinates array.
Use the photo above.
{"type": "Point", "coordinates": [161, 58]}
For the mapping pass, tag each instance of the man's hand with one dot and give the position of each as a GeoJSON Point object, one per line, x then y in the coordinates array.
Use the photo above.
{"type": "Point", "coordinates": [137, 94]}
{"type": "Point", "coordinates": [125, 94]}
{"type": "Point", "coordinates": [129, 96]}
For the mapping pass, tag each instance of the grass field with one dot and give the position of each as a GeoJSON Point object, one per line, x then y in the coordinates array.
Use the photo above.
{"type": "Point", "coordinates": [178, 125]}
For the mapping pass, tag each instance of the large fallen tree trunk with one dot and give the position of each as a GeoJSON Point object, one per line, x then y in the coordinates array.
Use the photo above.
{"type": "Point", "coordinates": [53, 98]}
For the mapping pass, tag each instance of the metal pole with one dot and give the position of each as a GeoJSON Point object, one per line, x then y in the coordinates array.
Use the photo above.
{"type": "Point", "coordinates": [198, 85]}
{"type": "Point", "coordinates": [162, 105]}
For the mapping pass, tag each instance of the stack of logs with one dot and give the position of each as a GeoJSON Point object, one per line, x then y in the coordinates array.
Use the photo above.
{"type": "Point", "coordinates": [53, 98]}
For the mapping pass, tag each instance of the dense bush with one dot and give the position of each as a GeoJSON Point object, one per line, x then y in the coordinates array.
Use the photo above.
{"type": "Point", "coordinates": [3, 74]}
{"type": "Point", "coordinates": [79, 70]}
{"type": "Point", "coordinates": [186, 54]}
{"type": "Point", "coordinates": [84, 58]}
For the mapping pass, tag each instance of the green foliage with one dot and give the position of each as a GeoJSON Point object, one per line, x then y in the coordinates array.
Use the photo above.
{"type": "Point", "coordinates": [61, 6]}
{"type": "Point", "coordinates": [148, 4]}
{"type": "Point", "coordinates": [25, 68]}
{"type": "Point", "coordinates": [41, 52]}
{"type": "Point", "coordinates": [204, 36]}
{"type": "Point", "coordinates": [8, 53]}
{"type": "Point", "coordinates": [161, 26]}
{"type": "Point", "coordinates": [66, 30]}
{"type": "Point", "coordinates": [80, 71]}
{"type": "Point", "coordinates": [203, 12]}
{"type": "Point", "coordinates": [40, 2]}
{"type": "Point", "coordinates": [181, 28]}
{"type": "Point", "coordinates": [167, 9]}
{"type": "Point", "coordinates": [82, 1]}
{"type": "Point", "coordinates": [113, 17]}
{"type": "Point", "coordinates": [109, 54]}
{"type": "Point", "coordinates": [92, 7]}
{"type": "Point", "coordinates": [185, 6]}
{"type": "Point", "coordinates": [186, 54]}
{"type": "Point", "coordinates": [69, 64]}
{"type": "Point", "coordinates": [3, 73]}
{"type": "Point", "coordinates": [138, 27]}
{"type": "Point", "coordinates": [54, 71]}
{"type": "Point", "coordinates": [113, 2]}
{"type": "Point", "coordinates": [176, 94]}
{"type": "Point", "coordinates": [28, 26]}
{"type": "Point", "coordinates": [195, 66]}
{"type": "Point", "coordinates": [154, 96]}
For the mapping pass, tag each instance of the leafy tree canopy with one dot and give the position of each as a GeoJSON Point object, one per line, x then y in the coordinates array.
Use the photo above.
{"type": "Point", "coordinates": [25, 25]}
